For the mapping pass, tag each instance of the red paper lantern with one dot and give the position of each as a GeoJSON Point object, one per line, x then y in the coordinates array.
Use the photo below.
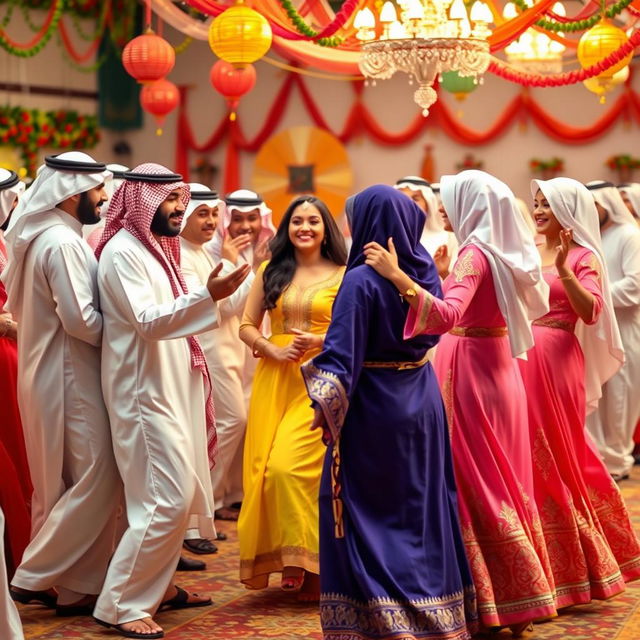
{"type": "Point", "coordinates": [159, 98]}
{"type": "Point", "coordinates": [232, 82]}
{"type": "Point", "coordinates": [148, 57]}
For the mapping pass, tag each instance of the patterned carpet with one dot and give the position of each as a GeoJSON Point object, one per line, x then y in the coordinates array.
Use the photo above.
{"type": "Point", "coordinates": [265, 615]}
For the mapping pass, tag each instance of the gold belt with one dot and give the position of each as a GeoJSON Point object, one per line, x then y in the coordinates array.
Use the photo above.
{"type": "Point", "coordinates": [400, 366]}
{"type": "Point", "coordinates": [565, 325]}
{"type": "Point", "coordinates": [479, 332]}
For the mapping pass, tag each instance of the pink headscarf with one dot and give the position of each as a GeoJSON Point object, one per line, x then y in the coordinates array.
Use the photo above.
{"type": "Point", "coordinates": [132, 208]}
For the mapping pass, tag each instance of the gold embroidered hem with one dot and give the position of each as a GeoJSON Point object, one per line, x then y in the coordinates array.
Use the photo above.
{"type": "Point", "coordinates": [254, 572]}
{"type": "Point", "coordinates": [565, 325]}
{"type": "Point", "coordinates": [326, 389]}
{"type": "Point", "coordinates": [400, 366]}
{"type": "Point", "coordinates": [451, 617]}
{"type": "Point", "coordinates": [479, 332]}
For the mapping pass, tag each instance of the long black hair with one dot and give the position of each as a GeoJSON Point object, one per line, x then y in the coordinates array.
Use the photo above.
{"type": "Point", "coordinates": [282, 266]}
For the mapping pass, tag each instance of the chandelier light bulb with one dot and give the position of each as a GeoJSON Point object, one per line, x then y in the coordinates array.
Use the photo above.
{"type": "Point", "coordinates": [388, 13]}
{"type": "Point", "coordinates": [559, 9]}
{"type": "Point", "coordinates": [480, 12]}
{"type": "Point", "coordinates": [509, 11]}
{"type": "Point", "coordinates": [458, 10]}
{"type": "Point", "coordinates": [364, 19]}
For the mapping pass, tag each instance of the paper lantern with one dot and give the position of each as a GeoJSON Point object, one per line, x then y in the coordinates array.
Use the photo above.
{"type": "Point", "coordinates": [459, 86]}
{"type": "Point", "coordinates": [232, 82]}
{"type": "Point", "coordinates": [240, 35]}
{"type": "Point", "coordinates": [159, 99]}
{"type": "Point", "coordinates": [602, 85]}
{"type": "Point", "coordinates": [598, 43]}
{"type": "Point", "coordinates": [148, 57]}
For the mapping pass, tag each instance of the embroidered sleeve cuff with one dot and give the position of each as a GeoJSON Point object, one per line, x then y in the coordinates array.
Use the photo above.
{"type": "Point", "coordinates": [326, 389]}
{"type": "Point", "coordinates": [417, 319]}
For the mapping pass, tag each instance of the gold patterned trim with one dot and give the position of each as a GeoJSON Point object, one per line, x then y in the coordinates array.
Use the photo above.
{"type": "Point", "coordinates": [326, 389]}
{"type": "Point", "coordinates": [272, 561]}
{"type": "Point", "coordinates": [592, 263]}
{"type": "Point", "coordinates": [479, 332]}
{"type": "Point", "coordinates": [446, 618]}
{"type": "Point", "coordinates": [425, 304]}
{"type": "Point", "coordinates": [297, 303]}
{"type": "Point", "coordinates": [464, 266]}
{"type": "Point", "coordinates": [565, 325]}
{"type": "Point", "coordinates": [400, 366]}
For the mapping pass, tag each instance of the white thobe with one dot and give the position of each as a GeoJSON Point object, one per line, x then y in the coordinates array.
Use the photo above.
{"type": "Point", "coordinates": [613, 424]}
{"type": "Point", "coordinates": [226, 357]}
{"type": "Point", "coordinates": [68, 441]}
{"type": "Point", "coordinates": [156, 405]}
{"type": "Point", "coordinates": [10, 625]}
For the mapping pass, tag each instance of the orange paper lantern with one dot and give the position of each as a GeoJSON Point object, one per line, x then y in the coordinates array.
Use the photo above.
{"type": "Point", "coordinates": [148, 57]}
{"type": "Point", "coordinates": [159, 99]}
{"type": "Point", "coordinates": [232, 82]}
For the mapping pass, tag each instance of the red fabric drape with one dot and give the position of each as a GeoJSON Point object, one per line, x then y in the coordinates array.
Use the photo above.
{"type": "Point", "coordinates": [360, 120]}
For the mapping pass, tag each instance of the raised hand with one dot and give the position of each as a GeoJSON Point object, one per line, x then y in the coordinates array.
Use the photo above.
{"type": "Point", "coordinates": [442, 260]}
{"type": "Point", "coordinates": [223, 286]}
{"type": "Point", "coordinates": [383, 261]}
{"type": "Point", "coordinates": [233, 247]}
{"type": "Point", "coordinates": [562, 250]}
{"type": "Point", "coordinates": [261, 253]}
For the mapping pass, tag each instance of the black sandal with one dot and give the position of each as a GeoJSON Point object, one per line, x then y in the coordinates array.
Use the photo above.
{"type": "Point", "coordinates": [34, 597]}
{"type": "Point", "coordinates": [129, 634]}
{"type": "Point", "coordinates": [181, 601]}
{"type": "Point", "coordinates": [201, 546]}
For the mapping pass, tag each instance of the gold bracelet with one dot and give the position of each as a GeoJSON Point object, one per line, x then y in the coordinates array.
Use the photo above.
{"type": "Point", "coordinates": [256, 353]}
{"type": "Point", "coordinates": [569, 277]}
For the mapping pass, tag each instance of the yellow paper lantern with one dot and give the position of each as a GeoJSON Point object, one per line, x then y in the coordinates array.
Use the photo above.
{"type": "Point", "coordinates": [240, 35]}
{"type": "Point", "coordinates": [598, 43]}
{"type": "Point", "coordinates": [602, 85]}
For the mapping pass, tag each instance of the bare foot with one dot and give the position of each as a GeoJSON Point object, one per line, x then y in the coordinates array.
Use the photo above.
{"type": "Point", "coordinates": [144, 626]}
{"type": "Point", "coordinates": [292, 578]}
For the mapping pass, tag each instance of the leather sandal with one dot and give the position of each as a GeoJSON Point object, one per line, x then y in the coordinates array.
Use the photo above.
{"type": "Point", "coordinates": [181, 601]}
{"type": "Point", "coordinates": [34, 597]}
{"type": "Point", "coordinates": [226, 513]}
{"type": "Point", "coordinates": [129, 634]}
{"type": "Point", "coordinates": [83, 607]}
{"type": "Point", "coordinates": [201, 546]}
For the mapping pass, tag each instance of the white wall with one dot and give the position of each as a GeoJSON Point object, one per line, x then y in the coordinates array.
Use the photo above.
{"type": "Point", "coordinates": [391, 102]}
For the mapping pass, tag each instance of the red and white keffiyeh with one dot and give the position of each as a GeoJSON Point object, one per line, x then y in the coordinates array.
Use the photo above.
{"type": "Point", "coordinates": [132, 208]}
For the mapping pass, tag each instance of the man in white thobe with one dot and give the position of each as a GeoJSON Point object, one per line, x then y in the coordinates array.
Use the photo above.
{"type": "Point", "coordinates": [630, 192]}
{"type": "Point", "coordinates": [93, 234]}
{"type": "Point", "coordinates": [246, 229]}
{"type": "Point", "coordinates": [52, 293]}
{"type": "Point", "coordinates": [158, 392]}
{"type": "Point", "coordinates": [612, 425]}
{"type": "Point", "coordinates": [198, 226]}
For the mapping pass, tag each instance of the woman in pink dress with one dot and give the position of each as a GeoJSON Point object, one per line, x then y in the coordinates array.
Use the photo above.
{"type": "Point", "coordinates": [592, 547]}
{"type": "Point", "coordinates": [493, 291]}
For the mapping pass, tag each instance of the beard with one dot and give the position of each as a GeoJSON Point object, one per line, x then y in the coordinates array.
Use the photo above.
{"type": "Point", "coordinates": [87, 210]}
{"type": "Point", "coordinates": [160, 224]}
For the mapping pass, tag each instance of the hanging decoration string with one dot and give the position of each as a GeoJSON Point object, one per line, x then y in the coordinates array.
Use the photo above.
{"type": "Point", "coordinates": [307, 72]}
{"type": "Point", "coordinates": [35, 45]}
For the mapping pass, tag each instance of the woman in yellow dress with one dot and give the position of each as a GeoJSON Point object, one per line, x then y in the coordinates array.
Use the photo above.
{"type": "Point", "coordinates": [278, 524]}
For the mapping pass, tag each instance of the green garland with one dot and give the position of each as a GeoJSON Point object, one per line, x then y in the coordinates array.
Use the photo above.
{"type": "Point", "coordinates": [33, 129]}
{"type": "Point", "coordinates": [100, 27]}
{"type": "Point", "coordinates": [7, 17]}
{"type": "Point", "coordinates": [576, 25]}
{"type": "Point", "coordinates": [302, 27]}
{"type": "Point", "coordinates": [46, 36]}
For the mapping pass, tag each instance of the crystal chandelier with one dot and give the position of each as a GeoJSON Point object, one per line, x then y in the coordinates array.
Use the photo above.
{"type": "Point", "coordinates": [534, 51]}
{"type": "Point", "coordinates": [424, 38]}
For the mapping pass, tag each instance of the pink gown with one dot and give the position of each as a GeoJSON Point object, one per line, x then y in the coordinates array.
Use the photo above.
{"type": "Point", "coordinates": [592, 547]}
{"type": "Point", "coordinates": [486, 408]}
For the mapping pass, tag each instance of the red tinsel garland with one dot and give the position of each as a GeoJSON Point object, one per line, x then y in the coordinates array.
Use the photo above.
{"type": "Point", "coordinates": [562, 79]}
{"type": "Point", "coordinates": [360, 120]}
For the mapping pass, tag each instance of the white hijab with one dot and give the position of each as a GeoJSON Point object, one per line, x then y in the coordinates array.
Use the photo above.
{"type": "Point", "coordinates": [483, 211]}
{"type": "Point", "coordinates": [609, 198]}
{"type": "Point", "coordinates": [632, 189]}
{"type": "Point", "coordinates": [9, 194]}
{"type": "Point", "coordinates": [267, 232]}
{"type": "Point", "coordinates": [30, 219]}
{"type": "Point", "coordinates": [434, 222]}
{"type": "Point", "coordinates": [210, 198]}
{"type": "Point", "coordinates": [574, 208]}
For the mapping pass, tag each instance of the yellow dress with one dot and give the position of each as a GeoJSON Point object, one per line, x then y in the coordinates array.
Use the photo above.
{"type": "Point", "coordinates": [278, 524]}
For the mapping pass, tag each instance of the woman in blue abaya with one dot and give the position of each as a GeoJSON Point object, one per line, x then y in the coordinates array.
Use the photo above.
{"type": "Point", "coordinates": [392, 560]}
